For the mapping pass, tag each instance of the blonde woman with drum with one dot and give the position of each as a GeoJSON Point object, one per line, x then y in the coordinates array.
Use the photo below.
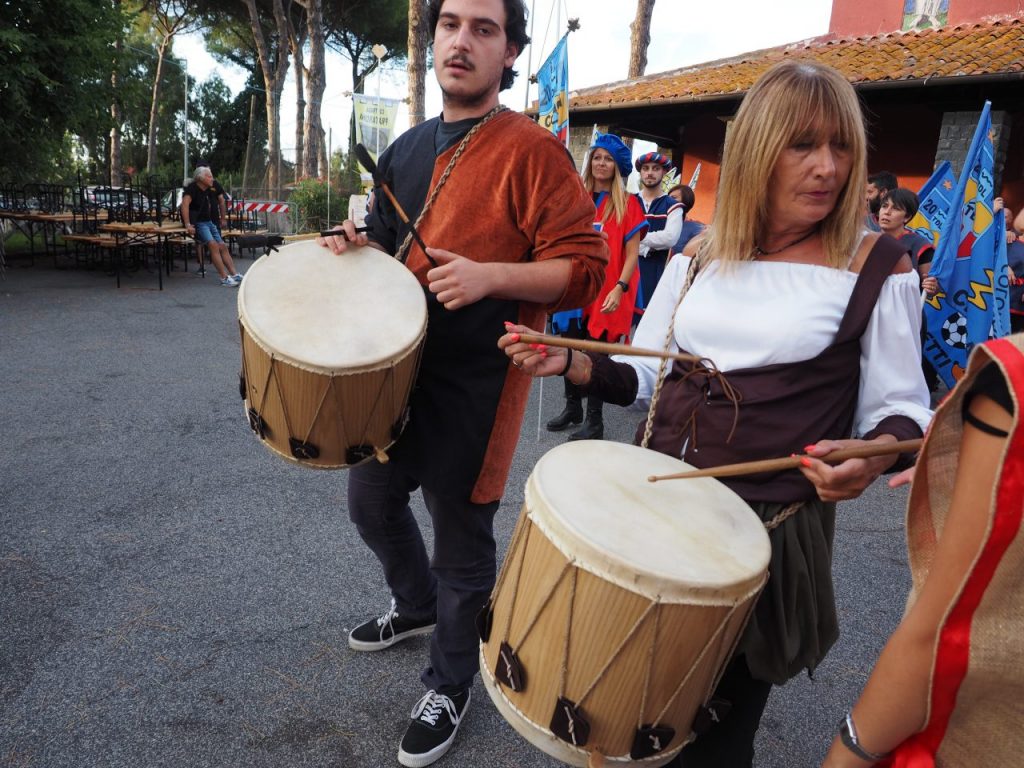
{"type": "Point", "coordinates": [808, 329]}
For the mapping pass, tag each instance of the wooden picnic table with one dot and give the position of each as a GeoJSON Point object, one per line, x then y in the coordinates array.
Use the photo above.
{"type": "Point", "coordinates": [147, 233]}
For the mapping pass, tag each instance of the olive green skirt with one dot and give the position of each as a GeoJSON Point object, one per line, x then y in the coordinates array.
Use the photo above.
{"type": "Point", "coordinates": [794, 623]}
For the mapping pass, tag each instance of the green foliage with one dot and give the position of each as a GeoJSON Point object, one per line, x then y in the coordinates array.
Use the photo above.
{"type": "Point", "coordinates": [55, 58]}
{"type": "Point", "coordinates": [310, 195]}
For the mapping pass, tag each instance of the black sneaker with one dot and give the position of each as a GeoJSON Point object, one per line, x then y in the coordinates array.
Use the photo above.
{"type": "Point", "coordinates": [435, 721]}
{"type": "Point", "coordinates": [381, 633]}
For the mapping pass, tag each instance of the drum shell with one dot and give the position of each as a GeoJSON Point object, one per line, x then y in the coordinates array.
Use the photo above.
{"type": "Point", "coordinates": [330, 352]}
{"type": "Point", "coordinates": [689, 634]}
{"type": "Point", "coordinates": [331, 410]}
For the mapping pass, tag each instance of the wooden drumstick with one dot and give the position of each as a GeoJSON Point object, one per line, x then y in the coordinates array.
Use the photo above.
{"type": "Point", "coordinates": [584, 345]}
{"type": "Point", "coordinates": [367, 162]}
{"type": "Point", "coordinates": [793, 462]}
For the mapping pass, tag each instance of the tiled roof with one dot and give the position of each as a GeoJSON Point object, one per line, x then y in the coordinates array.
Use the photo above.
{"type": "Point", "coordinates": [993, 47]}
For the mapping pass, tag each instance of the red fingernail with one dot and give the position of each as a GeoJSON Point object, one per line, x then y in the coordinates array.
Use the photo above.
{"type": "Point", "coordinates": [535, 346]}
{"type": "Point", "coordinates": [805, 461]}
{"type": "Point", "coordinates": [515, 337]}
{"type": "Point", "coordinates": [809, 448]}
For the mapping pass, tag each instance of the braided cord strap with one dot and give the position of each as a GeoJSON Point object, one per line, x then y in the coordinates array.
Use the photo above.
{"type": "Point", "coordinates": [403, 251]}
{"type": "Point", "coordinates": [691, 273]}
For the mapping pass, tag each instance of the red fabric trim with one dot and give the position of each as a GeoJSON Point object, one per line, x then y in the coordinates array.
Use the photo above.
{"type": "Point", "coordinates": [953, 653]}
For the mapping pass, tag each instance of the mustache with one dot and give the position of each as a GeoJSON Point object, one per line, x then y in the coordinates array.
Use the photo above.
{"type": "Point", "coordinates": [460, 59]}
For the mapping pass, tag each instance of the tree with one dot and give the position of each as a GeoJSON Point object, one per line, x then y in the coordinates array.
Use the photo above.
{"type": "Point", "coordinates": [640, 38]}
{"type": "Point", "coordinates": [419, 40]}
{"type": "Point", "coordinates": [274, 63]}
{"type": "Point", "coordinates": [168, 18]}
{"type": "Point", "coordinates": [55, 57]}
{"type": "Point", "coordinates": [355, 26]}
{"type": "Point", "coordinates": [316, 84]}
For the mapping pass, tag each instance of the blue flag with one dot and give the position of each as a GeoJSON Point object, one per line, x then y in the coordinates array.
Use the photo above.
{"type": "Point", "coordinates": [553, 91]}
{"type": "Point", "coordinates": [936, 201]}
{"type": "Point", "coordinates": [973, 284]}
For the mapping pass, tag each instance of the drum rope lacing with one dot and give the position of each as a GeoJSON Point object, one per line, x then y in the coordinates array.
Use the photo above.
{"type": "Point", "coordinates": [403, 251]}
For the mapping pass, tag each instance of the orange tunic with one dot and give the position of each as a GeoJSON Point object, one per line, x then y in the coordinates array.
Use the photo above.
{"type": "Point", "coordinates": [514, 196]}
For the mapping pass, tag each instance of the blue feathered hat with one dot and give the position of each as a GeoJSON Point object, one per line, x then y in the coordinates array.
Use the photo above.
{"type": "Point", "coordinates": [614, 146]}
{"type": "Point", "coordinates": [654, 157]}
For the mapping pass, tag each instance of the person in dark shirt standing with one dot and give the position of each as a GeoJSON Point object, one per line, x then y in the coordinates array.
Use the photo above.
{"type": "Point", "coordinates": [530, 247]}
{"type": "Point", "coordinates": [200, 212]}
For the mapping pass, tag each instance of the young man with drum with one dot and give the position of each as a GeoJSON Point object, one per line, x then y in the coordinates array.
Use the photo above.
{"type": "Point", "coordinates": [529, 247]}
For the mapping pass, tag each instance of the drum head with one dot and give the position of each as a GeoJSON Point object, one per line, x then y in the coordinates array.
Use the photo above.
{"type": "Point", "coordinates": [353, 312]}
{"type": "Point", "coordinates": [677, 540]}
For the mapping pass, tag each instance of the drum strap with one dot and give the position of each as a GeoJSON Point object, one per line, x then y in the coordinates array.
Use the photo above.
{"type": "Point", "coordinates": [691, 274]}
{"type": "Point", "coordinates": [403, 251]}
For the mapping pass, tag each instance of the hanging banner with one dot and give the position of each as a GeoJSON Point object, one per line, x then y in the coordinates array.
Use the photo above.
{"type": "Point", "coordinates": [553, 92]}
{"type": "Point", "coordinates": [375, 122]}
{"type": "Point", "coordinates": [972, 304]}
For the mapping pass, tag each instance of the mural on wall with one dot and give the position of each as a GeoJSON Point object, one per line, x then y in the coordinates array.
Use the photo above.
{"type": "Point", "coordinates": [924, 14]}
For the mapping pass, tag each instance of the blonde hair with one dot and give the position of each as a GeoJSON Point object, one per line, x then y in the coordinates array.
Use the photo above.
{"type": "Point", "coordinates": [793, 101]}
{"type": "Point", "coordinates": [617, 199]}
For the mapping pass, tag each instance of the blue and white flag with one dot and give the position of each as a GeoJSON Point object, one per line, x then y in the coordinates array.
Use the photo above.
{"type": "Point", "coordinates": [935, 202]}
{"type": "Point", "coordinates": [553, 91]}
{"type": "Point", "coordinates": [972, 304]}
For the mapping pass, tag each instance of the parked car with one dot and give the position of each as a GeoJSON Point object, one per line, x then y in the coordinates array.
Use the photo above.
{"type": "Point", "coordinates": [118, 199]}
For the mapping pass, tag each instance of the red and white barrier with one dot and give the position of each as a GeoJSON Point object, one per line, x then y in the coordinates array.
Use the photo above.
{"type": "Point", "coordinates": [260, 207]}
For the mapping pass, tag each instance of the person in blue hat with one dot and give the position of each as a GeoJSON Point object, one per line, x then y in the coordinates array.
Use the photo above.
{"type": "Point", "coordinates": [610, 316]}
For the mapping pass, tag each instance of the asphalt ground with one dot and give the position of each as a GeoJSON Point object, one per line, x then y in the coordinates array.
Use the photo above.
{"type": "Point", "coordinates": [171, 594]}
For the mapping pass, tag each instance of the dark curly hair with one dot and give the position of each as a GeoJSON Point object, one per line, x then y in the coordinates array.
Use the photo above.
{"type": "Point", "coordinates": [515, 30]}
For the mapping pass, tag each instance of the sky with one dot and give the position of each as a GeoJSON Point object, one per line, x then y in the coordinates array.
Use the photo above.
{"type": "Point", "coordinates": [683, 32]}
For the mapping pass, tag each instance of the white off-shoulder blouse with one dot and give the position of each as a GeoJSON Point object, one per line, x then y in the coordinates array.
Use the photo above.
{"type": "Point", "coordinates": [755, 313]}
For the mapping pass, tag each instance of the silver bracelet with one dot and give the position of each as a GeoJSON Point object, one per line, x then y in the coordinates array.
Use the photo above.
{"type": "Point", "coordinates": [848, 735]}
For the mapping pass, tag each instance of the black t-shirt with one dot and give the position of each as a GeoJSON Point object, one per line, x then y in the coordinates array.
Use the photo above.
{"type": "Point", "coordinates": [462, 371]}
{"type": "Point", "coordinates": [204, 205]}
{"type": "Point", "coordinates": [407, 166]}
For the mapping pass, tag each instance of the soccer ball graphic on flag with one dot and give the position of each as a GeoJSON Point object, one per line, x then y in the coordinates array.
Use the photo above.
{"type": "Point", "coordinates": [954, 331]}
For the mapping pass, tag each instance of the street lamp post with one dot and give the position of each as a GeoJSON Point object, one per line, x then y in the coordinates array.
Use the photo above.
{"type": "Point", "coordinates": [379, 51]}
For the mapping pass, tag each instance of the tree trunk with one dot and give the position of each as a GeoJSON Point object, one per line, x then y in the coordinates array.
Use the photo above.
{"type": "Point", "coordinates": [419, 38]}
{"type": "Point", "coordinates": [273, 79]}
{"type": "Point", "coordinates": [154, 106]}
{"type": "Point", "coordinates": [298, 43]}
{"type": "Point", "coordinates": [115, 115]}
{"type": "Point", "coordinates": [640, 38]}
{"type": "Point", "coordinates": [300, 116]}
{"type": "Point", "coordinates": [316, 84]}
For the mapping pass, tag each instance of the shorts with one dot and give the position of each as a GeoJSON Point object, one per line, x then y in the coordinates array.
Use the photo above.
{"type": "Point", "coordinates": [207, 231]}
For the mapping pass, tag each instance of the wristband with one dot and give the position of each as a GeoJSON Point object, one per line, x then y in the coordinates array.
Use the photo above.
{"type": "Point", "coordinates": [848, 735]}
{"type": "Point", "coordinates": [623, 285]}
{"type": "Point", "coordinates": [568, 362]}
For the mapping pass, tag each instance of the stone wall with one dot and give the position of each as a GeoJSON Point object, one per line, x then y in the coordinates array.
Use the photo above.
{"type": "Point", "coordinates": [955, 140]}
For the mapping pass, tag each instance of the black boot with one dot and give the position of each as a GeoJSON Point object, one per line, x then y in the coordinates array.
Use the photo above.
{"type": "Point", "coordinates": [573, 411]}
{"type": "Point", "coordinates": [593, 427]}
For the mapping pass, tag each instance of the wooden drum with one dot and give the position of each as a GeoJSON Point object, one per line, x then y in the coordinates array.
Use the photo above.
{"type": "Point", "coordinates": [330, 350]}
{"type": "Point", "coordinates": [619, 603]}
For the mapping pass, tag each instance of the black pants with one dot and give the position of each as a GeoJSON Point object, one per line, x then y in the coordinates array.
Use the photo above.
{"type": "Point", "coordinates": [455, 581]}
{"type": "Point", "coordinates": [730, 743]}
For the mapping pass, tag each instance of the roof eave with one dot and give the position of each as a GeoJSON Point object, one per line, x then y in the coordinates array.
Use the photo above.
{"type": "Point", "coordinates": [994, 77]}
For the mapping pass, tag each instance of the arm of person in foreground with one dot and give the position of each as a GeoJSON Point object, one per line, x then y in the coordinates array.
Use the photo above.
{"type": "Point", "coordinates": [894, 704]}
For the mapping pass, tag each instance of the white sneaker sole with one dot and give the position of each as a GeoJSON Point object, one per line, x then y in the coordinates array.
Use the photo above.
{"type": "Point", "coordinates": [428, 758]}
{"type": "Point", "coordinates": [380, 645]}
